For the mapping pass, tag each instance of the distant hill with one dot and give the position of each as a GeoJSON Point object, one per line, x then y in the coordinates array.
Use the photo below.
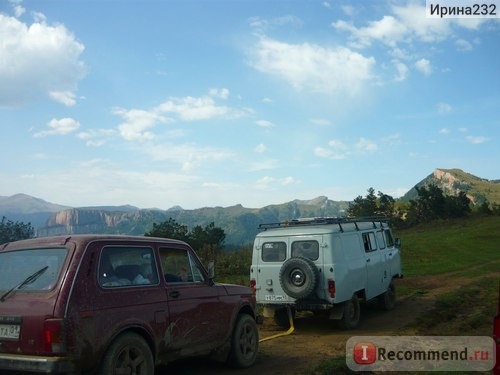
{"type": "Point", "coordinates": [240, 224]}
{"type": "Point", "coordinates": [28, 209]}
{"type": "Point", "coordinates": [453, 181]}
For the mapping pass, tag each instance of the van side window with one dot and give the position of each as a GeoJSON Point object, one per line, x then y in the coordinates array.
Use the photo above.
{"type": "Point", "coordinates": [380, 240]}
{"type": "Point", "coordinates": [123, 266]}
{"type": "Point", "coordinates": [388, 238]}
{"type": "Point", "coordinates": [307, 249]}
{"type": "Point", "coordinates": [369, 242]}
{"type": "Point", "coordinates": [273, 251]}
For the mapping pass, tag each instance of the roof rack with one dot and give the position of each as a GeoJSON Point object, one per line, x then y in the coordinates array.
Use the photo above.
{"type": "Point", "coordinates": [325, 221]}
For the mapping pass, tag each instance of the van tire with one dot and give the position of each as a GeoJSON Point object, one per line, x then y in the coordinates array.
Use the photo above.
{"type": "Point", "coordinates": [299, 277]}
{"type": "Point", "coordinates": [387, 300]}
{"type": "Point", "coordinates": [128, 351]}
{"type": "Point", "coordinates": [352, 312]}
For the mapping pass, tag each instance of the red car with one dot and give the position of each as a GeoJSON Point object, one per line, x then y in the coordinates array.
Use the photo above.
{"type": "Point", "coordinates": [496, 336]}
{"type": "Point", "coordinates": [116, 304]}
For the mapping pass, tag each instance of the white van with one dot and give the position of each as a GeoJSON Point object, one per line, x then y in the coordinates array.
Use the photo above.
{"type": "Point", "coordinates": [324, 265]}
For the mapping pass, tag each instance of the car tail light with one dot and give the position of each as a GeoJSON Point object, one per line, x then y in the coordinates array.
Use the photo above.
{"type": "Point", "coordinates": [331, 287]}
{"type": "Point", "coordinates": [53, 336]}
{"type": "Point", "coordinates": [252, 285]}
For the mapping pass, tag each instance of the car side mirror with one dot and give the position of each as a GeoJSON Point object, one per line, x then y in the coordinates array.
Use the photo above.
{"type": "Point", "coordinates": [397, 242]}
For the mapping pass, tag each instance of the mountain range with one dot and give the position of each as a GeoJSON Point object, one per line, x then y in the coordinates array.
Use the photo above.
{"type": "Point", "coordinates": [240, 224]}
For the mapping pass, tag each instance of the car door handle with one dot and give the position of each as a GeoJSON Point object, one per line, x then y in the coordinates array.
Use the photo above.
{"type": "Point", "coordinates": [368, 260]}
{"type": "Point", "coordinates": [174, 294]}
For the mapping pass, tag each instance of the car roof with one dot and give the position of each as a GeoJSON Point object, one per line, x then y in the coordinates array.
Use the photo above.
{"type": "Point", "coordinates": [80, 239]}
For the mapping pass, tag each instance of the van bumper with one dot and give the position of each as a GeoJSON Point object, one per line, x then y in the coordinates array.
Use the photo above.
{"type": "Point", "coordinates": [36, 364]}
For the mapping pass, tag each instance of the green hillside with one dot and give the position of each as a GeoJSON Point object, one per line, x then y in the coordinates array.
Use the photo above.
{"type": "Point", "coordinates": [464, 245]}
{"type": "Point", "coordinates": [451, 181]}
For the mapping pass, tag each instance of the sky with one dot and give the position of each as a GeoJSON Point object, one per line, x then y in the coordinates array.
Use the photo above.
{"type": "Point", "coordinates": [205, 103]}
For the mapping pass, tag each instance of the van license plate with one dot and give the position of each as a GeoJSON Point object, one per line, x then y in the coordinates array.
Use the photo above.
{"type": "Point", "coordinates": [10, 331]}
{"type": "Point", "coordinates": [273, 297]}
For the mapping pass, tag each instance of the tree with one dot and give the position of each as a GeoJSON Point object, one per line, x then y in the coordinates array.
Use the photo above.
{"type": "Point", "coordinates": [371, 205]}
{"type": "Point", "coordinates": [207, 241]}
{"type": "Point", "coordinates": [13, 231]}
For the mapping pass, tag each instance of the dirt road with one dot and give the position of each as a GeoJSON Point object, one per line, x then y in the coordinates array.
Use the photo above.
{"type": "Point", "coordinates": [315, 340]}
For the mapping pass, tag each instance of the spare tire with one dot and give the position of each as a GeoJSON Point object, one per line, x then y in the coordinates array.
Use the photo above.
{"type": "Point", "coordinates": [299, 277]}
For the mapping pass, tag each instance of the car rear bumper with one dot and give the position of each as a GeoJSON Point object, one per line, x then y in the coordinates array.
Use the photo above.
{"type": "Point", "coordinates": [36, 364]}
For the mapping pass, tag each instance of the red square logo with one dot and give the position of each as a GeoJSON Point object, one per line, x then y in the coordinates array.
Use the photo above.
{"type": "Point", "coordinates": [365, 353]}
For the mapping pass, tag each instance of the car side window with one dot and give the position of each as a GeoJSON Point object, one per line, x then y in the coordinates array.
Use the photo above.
{"type": "Point", "coordinates": [121, 266]}
{"type": "Point", "coordinates": [369, 242]}
{"type": "Point", "coordinates": [273, 251]}
{"type": "Point", "coordinates": [178, 266]}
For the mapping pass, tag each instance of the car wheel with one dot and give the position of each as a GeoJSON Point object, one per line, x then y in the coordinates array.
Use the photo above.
{"type": "Point", "coordinates": [352, 312]}
{"type": "Point", "coordinates": [299, 277]}
{"type": "Point", "coordinates": [128, 354]}
{"type": "Point", "coordinates": [244, 342]}
{"type": "Point", "coordinates": [388, 299]}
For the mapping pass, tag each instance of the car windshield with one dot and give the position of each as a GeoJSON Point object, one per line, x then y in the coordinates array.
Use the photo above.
{"type": "Point", "coordinates": [16, 266]}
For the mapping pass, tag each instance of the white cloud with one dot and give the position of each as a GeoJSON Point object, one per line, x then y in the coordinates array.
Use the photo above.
{"type": "Point", "coordinates": [17, 7]}
{"type": "Point", "coordinates": [401, 71]}
{"type": "Point", "coordinates": [96, 138]}
{"type": "Point", "coordinates": [444, 131]}
{"type": "Point", "coordinates": [476, 139]}
{"type": "Point", "coordinates": [424, 66]}
{"type": "Point", "coordinates": [463, 45]}
{"type": "Point", "coordinates": [260, 148]}
{"type": "Point", "coordinates": [264, 123]}
{"type": "Point", "coordinates": [366, 145]}
{"type": "Point", "coordinates": [137, 123]}
{"type": "Point", "coordinates": [62, 126]}
{"type": "Point", "coordinates": [38, 60]}
{"type": "Point", "coordinates": [268, 182]}
{"type": "Point", "coordinates": [321, 121]}
{"type": "Point", "coordinates": [312, 67]}
{"type": "Point", "coordinates": [336, 150]}
{"type": "Point", "coordinates": [444, 108]}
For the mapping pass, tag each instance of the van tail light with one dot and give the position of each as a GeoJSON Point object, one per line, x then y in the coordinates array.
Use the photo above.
{"type": "Point", "coordinates": [253, 286]}
{"type": "Point", "coordinates": [53, 336]}
{"type": "Point", "coordinates": [331, 287]}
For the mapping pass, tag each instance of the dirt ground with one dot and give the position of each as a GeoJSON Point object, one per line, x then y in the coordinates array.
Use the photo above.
{"type": "Point", "coordinates": [316, 339]}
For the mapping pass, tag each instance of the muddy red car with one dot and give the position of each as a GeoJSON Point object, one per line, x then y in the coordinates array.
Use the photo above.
{"type": "Point", "coordinates": [109, 304]}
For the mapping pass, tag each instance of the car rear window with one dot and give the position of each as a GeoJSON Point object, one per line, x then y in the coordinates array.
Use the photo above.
{"type": "Point", "coordinates": [19, 266]}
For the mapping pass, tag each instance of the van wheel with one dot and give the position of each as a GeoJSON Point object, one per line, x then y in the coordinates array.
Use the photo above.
{"type": "Point", "coordinates": [388, 299]}
{"type": "Point", "coordinates": [128, 354]}
{"type": "Point", "coordinates": [244, 342]}
{"type": "Point", "coordinates": [299, 277]}
{"type": "Point", "coordinates": [352, 312]}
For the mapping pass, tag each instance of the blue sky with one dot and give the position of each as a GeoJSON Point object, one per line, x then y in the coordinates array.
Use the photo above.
{"type": "Point", "coordinates": [216, 103]}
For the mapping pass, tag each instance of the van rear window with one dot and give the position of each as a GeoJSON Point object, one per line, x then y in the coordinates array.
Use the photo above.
{"type": "Point", "coordinates": [273, 251]}
{"type": "Point", "coordinates": [307, 249]}
{"type": "Point", "coordinates": [31, 269]}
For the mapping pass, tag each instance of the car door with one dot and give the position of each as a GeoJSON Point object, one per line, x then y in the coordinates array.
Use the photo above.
{"type": "Point", "coordinates": [195, 314]}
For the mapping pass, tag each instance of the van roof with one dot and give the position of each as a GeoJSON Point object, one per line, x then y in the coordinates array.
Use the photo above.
{"type": "Point", "coordinates": [321, 226]}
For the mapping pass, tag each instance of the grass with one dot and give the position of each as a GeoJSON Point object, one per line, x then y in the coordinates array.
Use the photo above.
{"type": "Point", "coordinates": [466, 248]}
{"type": "Point", "coordinates": [450, 246]}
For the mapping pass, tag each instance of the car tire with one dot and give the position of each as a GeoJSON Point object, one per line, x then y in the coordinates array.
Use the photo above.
{"type": "Point", "coordinates": [129, 351]}
{"type": "Point", "coordinates": [244, 342]}
{"type": "Point", "coordinates": [352, 313]}
{"type": "Point", "coordinates": [299, 277]}
{"type": "Point", "coordinates": [387, 300]}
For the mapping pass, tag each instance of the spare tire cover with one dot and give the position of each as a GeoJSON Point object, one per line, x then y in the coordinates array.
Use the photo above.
{"type": "Point", "coordinates": [299, 277]}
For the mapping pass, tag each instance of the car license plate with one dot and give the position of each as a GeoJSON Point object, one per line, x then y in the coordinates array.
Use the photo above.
{"type": "Point", "coordinates": [275, 297]}
{"type": "Point", "coordinates": [10, 331]}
